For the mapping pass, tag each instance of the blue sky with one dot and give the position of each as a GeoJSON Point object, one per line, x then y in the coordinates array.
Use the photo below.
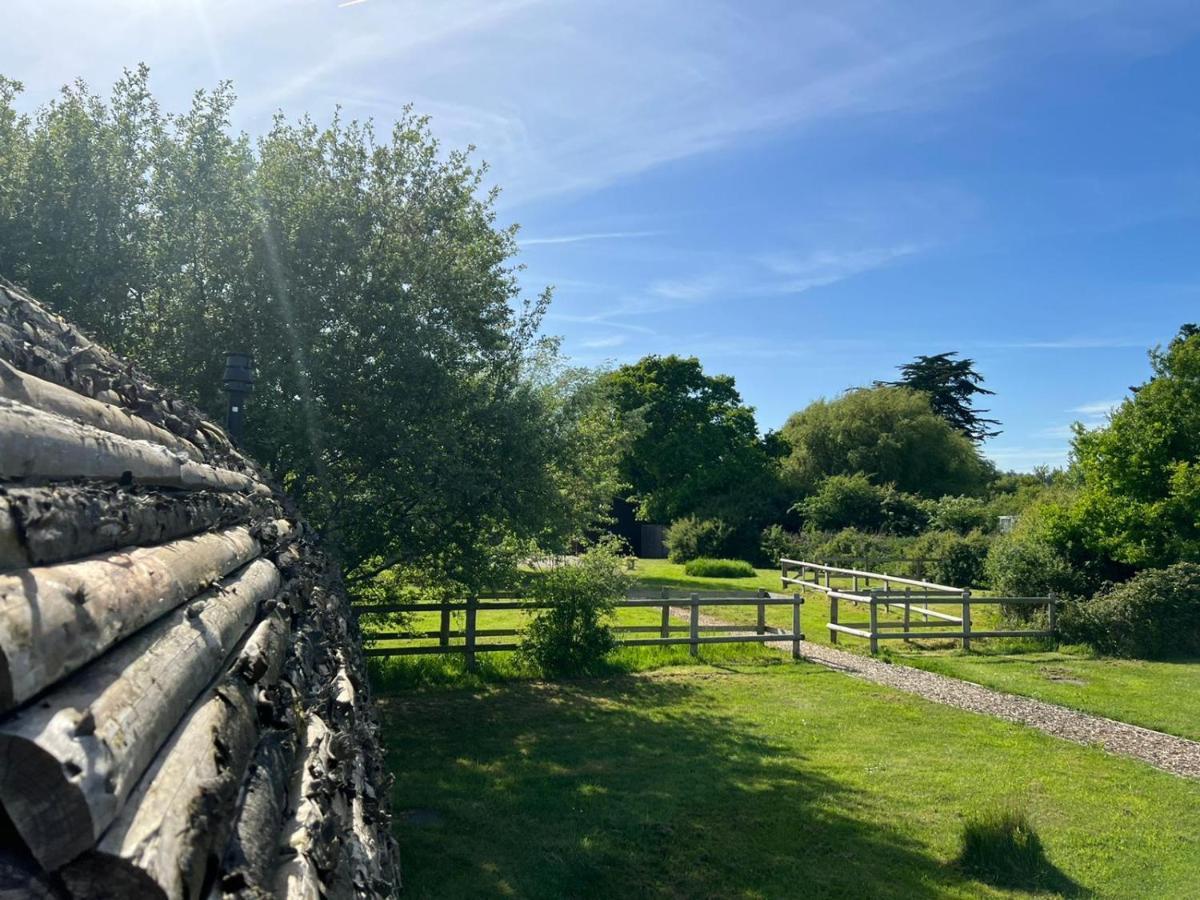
{"type": "Point", "coordinates": [802, 195]}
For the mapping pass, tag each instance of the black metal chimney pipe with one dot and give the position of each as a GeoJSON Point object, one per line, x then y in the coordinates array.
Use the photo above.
{"type": "Point", "coordinates": [239, 384]}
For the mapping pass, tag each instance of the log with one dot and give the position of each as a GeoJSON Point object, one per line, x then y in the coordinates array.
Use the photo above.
{"type": "Point", "coordinates": [161, 846]}
{"type": "Point", "coordinates": [248, 862]}
{"type": "Point", "coordinates": [40, 526]}
{"type": "Point", "coordinates": [306, 849]}
{"type": "Point", "coordinates": [55, 619]}
{"type": "Point", "coordinates": [46, 346]}
{"type": "Point", "coordinates": [50, 397]}
{"type": "Point", "coordinates": [46, 447]}
{"type": "Point", "coordinates": [72, 760]}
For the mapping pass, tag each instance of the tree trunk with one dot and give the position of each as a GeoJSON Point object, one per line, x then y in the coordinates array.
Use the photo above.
{"type": "Point", "coordinates": [55, 619]}
{"type": "Point", "coordinates": [43, 446]}
{"type": "Point", "coordinates": [50, 397]}
{"type": "Point", "coordinates": [41, 526]}
{"type": "Point", "coordinates": [85, 747]}
{"type": "Point", "coordinates": [253, 850]}
{"type": "Point", "coordinates": [160, 846]}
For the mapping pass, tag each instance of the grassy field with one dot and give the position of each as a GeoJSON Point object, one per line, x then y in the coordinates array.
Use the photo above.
{"type": "Point", "coordinates": [764, 780]}
{"type": "Point", "coordinates": [1164, 696]}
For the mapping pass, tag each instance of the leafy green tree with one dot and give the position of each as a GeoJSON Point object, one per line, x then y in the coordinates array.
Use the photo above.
{"type": "Point", "coordinates": [892, 435]}
{"type": "Point", "coordinates": [402, 390]}
{"type": "Point", "coordinates": [952, 385]}
{"type": "Point", "coordinates": [845, 501]}
{"type": "Point", "coordinates": [1139, 500]}
{"type": "Point", "coordinates": [696, 449]}
{"type": "Point", "coordinates": [573, 633]}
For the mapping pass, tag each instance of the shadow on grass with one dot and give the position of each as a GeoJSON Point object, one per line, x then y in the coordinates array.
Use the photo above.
{"type": "Point", "coordinates": [630, 787]}
{"type": "Point", "coordinates": [1002, 848]}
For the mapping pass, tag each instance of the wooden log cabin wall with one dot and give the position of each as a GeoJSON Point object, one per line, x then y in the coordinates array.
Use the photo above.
{"type": "Point", "coordinates": [183, 704]}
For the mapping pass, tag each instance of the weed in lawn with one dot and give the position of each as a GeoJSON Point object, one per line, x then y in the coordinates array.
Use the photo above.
{"type": "Point", "coordinates": [1001, 847]}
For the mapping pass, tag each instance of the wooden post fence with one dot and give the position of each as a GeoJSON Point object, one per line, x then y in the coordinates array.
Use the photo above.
{"type": "Point", "coordinates": [665, 628]}
{"type": "Point", "coordinates": [762, 613]}
{"type": "Point", "coordinates": [795, 625]}
{"type": "Point", "coordinates": [472, 605]}
{"type": "Point", "coordinates": [874, 622]}
{"type": "Point", "coordinates": [966, 620]}
{"type": "Point", "coordinates": [695, 625]}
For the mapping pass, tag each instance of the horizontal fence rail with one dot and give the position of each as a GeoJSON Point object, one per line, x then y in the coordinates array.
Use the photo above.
{"type": "Point", "coordinates": [669, 633]}
{"type": "Point", "coordinates": [937, 623]}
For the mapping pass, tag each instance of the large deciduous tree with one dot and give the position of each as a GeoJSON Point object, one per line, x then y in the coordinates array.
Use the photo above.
{"type": "Point", "coordinates": [696, 449]}
{"type": "Point", "coordinates": [952, 386]}
{"type": "Point", "coordinates": [398, 394]}
{"type": "Point", "coordinates": [892, 435]}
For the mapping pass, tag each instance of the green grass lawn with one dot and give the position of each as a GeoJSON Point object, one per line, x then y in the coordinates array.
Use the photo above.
{"type": "Point", "coordinates": [763, 780]}
{"type": "Point", "coordinates": [1164, 696]}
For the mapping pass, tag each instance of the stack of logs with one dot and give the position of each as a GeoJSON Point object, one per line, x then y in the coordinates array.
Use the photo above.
{"type": "Point", "coordinates": [183, 711]}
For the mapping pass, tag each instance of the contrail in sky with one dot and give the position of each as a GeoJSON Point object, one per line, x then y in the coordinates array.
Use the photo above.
{"type": "Point", "coordinates": [351, 3]}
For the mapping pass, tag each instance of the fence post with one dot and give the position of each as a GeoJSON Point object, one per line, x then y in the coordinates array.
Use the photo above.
{"type": "Point", "coordinates": [1052, 615]}
{"type": "Point", "coordinates": [907, 608]}
{"type": "Point", "coordinates": [795, 625]}
{"type": "Point", "coordinates": [665, 630]}
{"type": "Point", "coordinates": [856, 584]}
{"type": "Point", "coordinates": [874, 622]}
{"type": "Point", "coordinates": [472, 602]}
{"type": "Point", "coordinates": [762, 613]}
{"type": "Point", "coordinates": [966, 620]}
{"type": "Point", "coordinates": [445, 636]}
{"type": "Point", "coordinates": [833, 618]}
{"type": "Point", "coordinates": [826, 578]}
{"type": "Point", "coordinates": [695, 625]}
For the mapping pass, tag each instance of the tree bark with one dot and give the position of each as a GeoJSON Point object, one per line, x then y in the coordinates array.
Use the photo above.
{"type": "Point", "coordinates": [43, 446]}
{"type": "Point", "coordinates": [41, 526]}
{"type": "Point", "coordinates": [159, 847]}
{"type": "Point", "coordinates": [71, 761]}
{"type": "Point", "coordinates": [253, 850]}
{"type": "Point", "coordinates": [55, 619]}
{"type": "Point", "coordinates": [50, 397]}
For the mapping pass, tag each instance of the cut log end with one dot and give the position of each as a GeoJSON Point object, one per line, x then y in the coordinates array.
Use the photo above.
{"type": "Point", "coordinates": [50, 829]}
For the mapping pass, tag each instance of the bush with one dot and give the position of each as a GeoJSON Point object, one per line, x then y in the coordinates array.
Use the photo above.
{"type": "Point", "coordinates": [719, 568]}
{"type": "Point", "coordinates": [1022, 565]}
{"type": "Point", "coordinates": [777, 543]}
{"type": "Point", "coordinates": [903, 514]}
{"type": "Point", "coordinates": [845, 501]}
{"type": "Point", "coordinates": [1154, 615]}
{"type": "Point", "coordinates": [1001, 847]}
{"type": "Point", "coordinates": [572, 635]}
{"type": "Point", "coordinates": [960, 514]}
{"type": "Point", "coordinates": [691, 538]}
{"type": "Point", "coordinates": [861, 549]}
{"type": "Point", "coordinates": [952, 558]}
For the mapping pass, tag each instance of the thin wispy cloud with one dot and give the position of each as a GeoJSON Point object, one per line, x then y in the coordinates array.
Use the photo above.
{"type": "Point", "coordinates": [1095, 410]}
{"type": "Point", "coordinates": [350, 3]}
{"type": "Point", "coordinates": [613, 340]}
{"type": "Point", "coordinates": [587, 237]}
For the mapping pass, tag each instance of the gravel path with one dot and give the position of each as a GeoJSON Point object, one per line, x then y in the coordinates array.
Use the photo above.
{"type": "Point", "coordinates": [1176, 755]}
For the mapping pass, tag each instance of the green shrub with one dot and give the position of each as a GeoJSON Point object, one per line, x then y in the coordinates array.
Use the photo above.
{"type": "Point", "coordinates": [951, 558]}
{"type": "Point", "coordinates": [779, 543]}
{"type": "Point", "coordinates": [1001, 847]}
{"type": "Point", "coordinates": [845, 501]}
{"type": "Point", "coordinates": [719, 568]}
{"type": "Point", "coordinates": [960, 514]}
{"type": "Point", "coordinates": [573, 634]}
{"type": "Point", "coordinates": [903, 514]}
{"type": "Point", "coordinates": [692, 538]}
{"type": "Point", "coordinates": [1022, 565]}
{"type": "Point", "coordinates": [862, 549]}
{"type": "Point", "coordinates": [1154, 615]}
